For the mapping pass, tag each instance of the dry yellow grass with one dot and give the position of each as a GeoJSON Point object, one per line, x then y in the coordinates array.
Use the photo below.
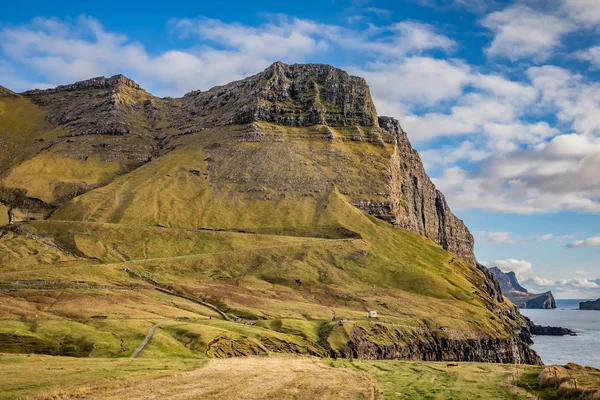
{"type": "Point", "coordinates": [571, 381]}
{"type": "Point", "coordinates": [47, 377]}
{"type": "Point", "coordinates": [249, 378]}
{"type": "Point", "coordinates": [41, 174]}
{"type": "Point", "coordinates": [3, 215]}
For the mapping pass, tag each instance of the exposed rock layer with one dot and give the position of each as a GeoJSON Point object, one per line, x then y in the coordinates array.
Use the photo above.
{"type": "Point", "coordinates": [417, 205]}
{"type": "Point", "coordinates": [511, 351]}
{"type": "Point", "coordinates": [292, 95]}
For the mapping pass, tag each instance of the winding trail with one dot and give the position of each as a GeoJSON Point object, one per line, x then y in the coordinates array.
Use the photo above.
{"type": "Point", "coordinates": [147, 339]}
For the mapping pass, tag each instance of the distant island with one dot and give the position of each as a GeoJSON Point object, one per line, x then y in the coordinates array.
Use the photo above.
{"type": "Point", "coordinates": [590, 305]}
{"type": "Point", "coordinates": [510, 287]}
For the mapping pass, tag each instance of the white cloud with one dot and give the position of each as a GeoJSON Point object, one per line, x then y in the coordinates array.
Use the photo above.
{"type": "Point", "coordinates": [593, 241]}
{"type": "Point", "coordinates": [414, 81]}
{"type": "Point", "coordinates": [522, 32]}
{"type": "Point", "coordinates": [580, 283]}
{"type": "Point", "coordinates": [591, 54]}
{"type": "Point", "coordinates": [448, 155]}
{"type": "Point", "coordinates": [541, 282]}
{"type": "Point", "coordinates": [521, 268]}
{"type": "Point", "coordinates": [63, 53]}
{"type": "Point", "coordinates": [495, 237]}
{"type": "Point", "coordinates": [584, 12]}
{"type": "Point", "coordinates": [569, 288]}
{"type": "Point", "coordinates": [550, 236]}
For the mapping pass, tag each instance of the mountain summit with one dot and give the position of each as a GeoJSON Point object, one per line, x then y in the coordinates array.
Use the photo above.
{"type": "Point", "coordinates": [291, 95]}
{"type": "Point", "coordinates": [281, 200]}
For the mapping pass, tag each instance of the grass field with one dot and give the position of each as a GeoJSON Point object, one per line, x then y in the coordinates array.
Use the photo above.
{"type": "Point", "coordinates": [278, 378]}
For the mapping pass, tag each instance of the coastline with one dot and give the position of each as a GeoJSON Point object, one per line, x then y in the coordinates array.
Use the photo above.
{"type": "Point", "coordinates": [565, 349]}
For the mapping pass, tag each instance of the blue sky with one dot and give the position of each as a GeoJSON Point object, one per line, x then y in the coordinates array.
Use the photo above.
{"type": "Point", "coordinates": [501, 98]}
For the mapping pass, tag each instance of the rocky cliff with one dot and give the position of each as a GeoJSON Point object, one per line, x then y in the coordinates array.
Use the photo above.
{"type": "Point", "coordinates": [317, 94]}
{"type": "Point", "coordinates": [508, 280]}
{"type": "Point", "coordinates": [519, 295]}
{"type": "Point", "coordinates": [415, 202]}
{"type": "Point", "coordinates": [590, 305]}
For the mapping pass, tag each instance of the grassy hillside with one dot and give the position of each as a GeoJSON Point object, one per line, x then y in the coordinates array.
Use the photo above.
{"type": "Point", "coordinates": [24, 130]}
{"type": "Point", "coordinates": [221, 179]}
{"type": "Point", "coordinates": [94, 285]}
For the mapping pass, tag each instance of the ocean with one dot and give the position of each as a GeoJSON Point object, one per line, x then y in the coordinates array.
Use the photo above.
{"type": "Point", "coordinates": [583, 349]}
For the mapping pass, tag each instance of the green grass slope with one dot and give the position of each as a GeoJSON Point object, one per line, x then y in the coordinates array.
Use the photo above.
{"type": "Point", "coordinates": [88, 280]}
{"type": "Point", "coordinates": [220, 179]}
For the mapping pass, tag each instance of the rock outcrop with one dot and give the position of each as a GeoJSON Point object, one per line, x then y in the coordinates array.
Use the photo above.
{"type": "Point", "coordinates": [590, 305]}
{"type": "Point", "coordinates": [94, 83]}
{"type": "Point", "coordinates": [291, 95]}
{"type": "Point", "coordinates": [437, 348]}
{"type": "Point", "coordinates": [517, 294]}
{"type": "Point", "coordinates": [492, 284]}
{"type": "Point", "coordinates": [4, 92]}
{"type": "Point", "coordinates": [508, 280]}
{"type": "Point", "coordinates": [551, 331]}
{"type": "Point", "coordinates": [543, 300]}
{"type": "Point", "coordinates": [540, 330]}
{"type": "Point", "coordinates": [105, 117]}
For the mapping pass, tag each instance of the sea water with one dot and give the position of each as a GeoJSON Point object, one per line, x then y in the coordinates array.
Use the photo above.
{"type": "Point", "coordinates": [583, 349]}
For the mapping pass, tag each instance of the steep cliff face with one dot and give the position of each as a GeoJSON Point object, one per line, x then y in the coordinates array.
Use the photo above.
{"type": "Point", "coordinates": [415, 202]}
{"type": "Point", "coordinates": [508, 280]}
{"type": "Point", "coordinates": [509, 351]}
{"type": "Point", "coordinates": [313, 94]}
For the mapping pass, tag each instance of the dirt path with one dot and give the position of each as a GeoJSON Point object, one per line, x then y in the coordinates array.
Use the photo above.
{"type": "Point", "coordinates": [147, 339]}
{"type": "Point", "coordinates": [252, 378]}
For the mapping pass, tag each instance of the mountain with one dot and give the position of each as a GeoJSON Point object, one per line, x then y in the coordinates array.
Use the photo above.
{"type": "Point", "coordinates": [518, 294]}
{"type": "Point", "coordinates": [266, 215]}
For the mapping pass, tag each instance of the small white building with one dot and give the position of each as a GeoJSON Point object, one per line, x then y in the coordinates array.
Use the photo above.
{"type": "Point", "coordinates": [372, 314]}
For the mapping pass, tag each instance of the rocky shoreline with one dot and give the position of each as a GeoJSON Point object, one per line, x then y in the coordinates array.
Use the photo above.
{"type": "Point", "coordinates": [509, 351]}
{"type": "Point", "coordinates": [540, 330]}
